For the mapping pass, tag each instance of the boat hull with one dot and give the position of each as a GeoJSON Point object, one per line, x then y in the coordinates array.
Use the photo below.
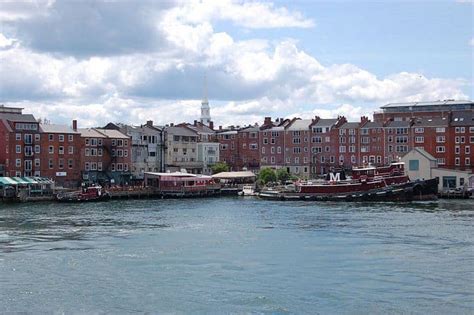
{"type": "Point", "coordinates": [409, 191]}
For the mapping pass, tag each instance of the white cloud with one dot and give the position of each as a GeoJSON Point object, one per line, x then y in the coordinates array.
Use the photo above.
{"type": "Point", "coordinates": [248, 79]}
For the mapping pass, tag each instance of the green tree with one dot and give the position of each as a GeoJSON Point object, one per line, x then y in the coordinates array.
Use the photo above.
{"type": "Point", "coordinates": [282, 175]}
{"type": "Point", "coordinates": [266, 175]}
{"type": "Point", "coordinates": [220, 167]}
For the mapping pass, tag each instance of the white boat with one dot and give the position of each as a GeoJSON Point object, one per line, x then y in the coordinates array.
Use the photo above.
{"type": "Point", "coordinates": [248, 190]}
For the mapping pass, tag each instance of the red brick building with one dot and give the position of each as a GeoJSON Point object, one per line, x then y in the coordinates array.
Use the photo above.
{"type": "Point", "coordinates": [19, 143]}
{"type": "Point", "coordinates": [248, 148]}
{"type": "Point", "coordinates": [272, 143]}
{"type": "Point", "coordinates": [105, 156]}
{"type": "Point", "coordinates": [297, 147]}
{"type": "Point", "coordinates": [59, 150]}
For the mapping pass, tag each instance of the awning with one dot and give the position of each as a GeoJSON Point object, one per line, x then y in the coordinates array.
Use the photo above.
{"type": "Point", "coordinates": [233, 175]}
{"type": "Point", "coordinates": [13, 181]}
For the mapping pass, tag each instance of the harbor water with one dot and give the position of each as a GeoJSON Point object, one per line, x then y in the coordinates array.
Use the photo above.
{"type": "Point", "coordinates": [237, 255]}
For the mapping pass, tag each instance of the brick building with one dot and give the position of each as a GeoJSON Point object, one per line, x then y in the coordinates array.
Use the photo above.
{"type": "Point", "coordinates": [272, 143]}
{"type": "Point", "coordinates": [59, 148]}
{"type": "Point", "coordinates": [297, 147]}
{"type": "Point", "coordinates": [19, 143]}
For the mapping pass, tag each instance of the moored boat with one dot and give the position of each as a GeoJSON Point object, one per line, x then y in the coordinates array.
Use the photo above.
{"type": "Point", "coordinates": [368, 183]}
{"type": "Point", "coordinates": [87, 194]}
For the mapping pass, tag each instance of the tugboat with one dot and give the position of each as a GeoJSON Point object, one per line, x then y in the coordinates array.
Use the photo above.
{"type": "Point", "coordinates": [92, 193]}
{"type": "Point", "coordinates": [367, 183]}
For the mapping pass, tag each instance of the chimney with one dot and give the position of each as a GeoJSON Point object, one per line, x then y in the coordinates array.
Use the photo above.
{"type": "Point", "coordinates": [220, 127]}
{"type": "Point", "coordinates": [149, 123]}
{"type": "Point", "coordinates": [171, 124]}
{"type": "Point", "coordinates": [267, 121]}
{"type": "Point", "coordinates": [211, 125]}
{"type": "Point", "coordinates": [195, 123]}
{"type": "Point", "coordinates": [74, 125]}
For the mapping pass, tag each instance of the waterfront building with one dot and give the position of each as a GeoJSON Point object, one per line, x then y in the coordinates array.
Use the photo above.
{"type": "Point", "coordinates": [461, 141]}
{"type": "Point", "coordinates": [297, 150]}
{"type": "Point", "coordinates": [248, 157]}
{"type": "Point", "coordinates": [59, 147]}
{"type": "Point", "coordinates": [147, 149]}
{"type": "Point", "coordinates": [407, 111]}
{"type": "Point", "coordinates": [181, 150]}
{"type": "Point", "coordinates": [229, 147]}
{"type": "Point", "coordinates": [272, 142]}
{"type": "Point", "coordinates": [105, 156]}
{"type": "Point", "coordinates": [324, 135]}
{"type": "Point", "coordinates": [118, 151]}
{"type": "Point", "coordinates": [20, 141]}
{"type": "Point", "coordinates": [349, 144]}
{"type": "Point", "coordinates": [207, 146]}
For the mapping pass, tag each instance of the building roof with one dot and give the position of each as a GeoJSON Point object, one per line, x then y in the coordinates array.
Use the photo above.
{"type": "Point", "coordinates": [433, 103]}
{"type": "Point", "coordinates": [90, 133]}
{"type": "Point", "coordinates": [112, 133]}
{"type": "Point", "coordinates": [424, 153]}
{"type": "Point", "coordinates": [18, 117]}
{"type": "Point", "coordinates": [398, 124]}
{"type": "Point", "coordinates": [228, 132]}
{"type": "Point", "coordinates": [350, 125]}
{"type": "Point", "coordinates": [325, 122]}
{"type": "Point", "coordinates": [180, 131]}
{"type": "Point", "coordinates": [57, 129]}
{"type": "Point", "coordinates": [231, 175]}
{"type": "Point", "coordinates": [372, 124]}
{"type": "Point", "coordinates": [463, 119]}
{"type": "Point", "coordinates": [300, 124]}
{"type": "Point", "coordinates": [431, 122]}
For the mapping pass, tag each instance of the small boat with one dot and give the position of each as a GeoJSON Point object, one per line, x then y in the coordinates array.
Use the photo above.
{"type": "Point", "coordinates": [248, 190]}
{"type": "Point", "coordinates": [92, 193]}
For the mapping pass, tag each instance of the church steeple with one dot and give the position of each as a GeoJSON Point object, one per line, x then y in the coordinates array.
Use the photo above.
{"type": "Point", "coordinates": [205, 109]}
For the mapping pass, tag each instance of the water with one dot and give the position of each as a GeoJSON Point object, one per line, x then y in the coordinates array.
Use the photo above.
{"type": "Point", "coordinates": [232, 255]}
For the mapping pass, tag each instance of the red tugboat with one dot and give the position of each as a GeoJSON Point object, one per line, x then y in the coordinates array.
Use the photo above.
{"type": "Point", "coordinates": [366, 184]}
{"type": "Point", "coordinates": [92, 193]}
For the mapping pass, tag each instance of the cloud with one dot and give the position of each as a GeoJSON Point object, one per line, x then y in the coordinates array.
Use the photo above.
{"type": "Point", "coordinates": [471, 42]}
{"type": "Point", "coordinates": [153, 66]}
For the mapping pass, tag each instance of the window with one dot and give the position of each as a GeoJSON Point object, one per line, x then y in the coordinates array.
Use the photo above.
{"type": "Point", "coordinates": [70, 138]}
{"type": "Point", "coordinates": [18, 149]}
{"type": "Point", "coordinates": [50, 149]}
{"type": "Point", "coordinates": [50, 163]}
{"type": "Point", "coordinates": [88, 168]}
{"type": "Point", "coordinates": [467, 150]}
{"type": "Point", "coordinates": [18, 162]}
{"type": "Point", "coordinates": [467, 161]}
{"type": "Point", "coordinates": [28, 151]}
{"type": "Point", "coordinates": [272, 160]}
{"type": "Point", "coordinates": [440, 129]}
{"type": "Point", "coordinates": [61, 150]}
{"type": "Point", "coordinates": [296, 150]}
{"type": "Point", "coordinates": [28, 165]}
{"type": "Point", "coordinates": [70, 150]}
{"type": "Point", "coordinates": [449, 182]}
{"type": "Point", "coordinates": [37, 162]}
{"type": "Point", "coordinates": [414, 165]}
{"type": "Point", "coordinates": [70, 163]}
{"type": "Point", "coordinates": [457, 161]}
{"type": "Point", "coordinates": [37, 149]}
{"type": "Point", "coordinates": [61, 163]}
{"type": "Point", "coordinates": [28, 138]}
{"type": "Point", "coordinates": [419, 130]}
{"type": "Point", "coordinates": [295, 140]}
{"type": "Point", "coordinates": [460, 129]}
{"type": "Point", "coordinates": [18, 137]}
{"type": "Point", "coordinates": [342, 149]}
{"type": "Point", "coordinates": [441, 161]}
{"type": "Point", "coordinates": [440, 139]}
{"type": "Point", "coordinates": [99, 166]}
{"type": "Point", "coordinates": [61, 138]}
{"type": "Point", "coordinates": [50, 137]}
{"type": "Point", "coordinates": [440, 149]}
{"type": "Point", "coordinates": [37, 137]}
{"type": "Point", "coordinates": [419, 139]}
{"type": "Point", "coordinates": [263, 150]}
{"type": "Point", "coordinates": [265, 140]}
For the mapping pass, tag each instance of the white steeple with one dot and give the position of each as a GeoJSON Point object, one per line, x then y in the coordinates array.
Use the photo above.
{"type": "Point", "coordinates": [205, 109]}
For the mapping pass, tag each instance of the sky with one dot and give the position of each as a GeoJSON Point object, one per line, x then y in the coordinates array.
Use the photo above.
{"type": "Point", "coordinates": [133, 61]}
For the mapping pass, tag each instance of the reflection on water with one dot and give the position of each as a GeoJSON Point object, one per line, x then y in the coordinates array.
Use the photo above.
{"type": "Point", "coordinates": [237, 255]}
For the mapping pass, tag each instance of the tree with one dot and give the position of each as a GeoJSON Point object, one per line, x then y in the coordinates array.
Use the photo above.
{"type": "Point", "coordinates": [266, 175]}
{"type": "Point", "coordinates": [220, 167]}
{"type": "Point", "coordinates": [282, 175]}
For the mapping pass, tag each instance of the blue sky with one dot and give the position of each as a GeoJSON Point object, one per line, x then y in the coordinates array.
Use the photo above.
{"type": "Point", "coordinates": [132, 61]}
